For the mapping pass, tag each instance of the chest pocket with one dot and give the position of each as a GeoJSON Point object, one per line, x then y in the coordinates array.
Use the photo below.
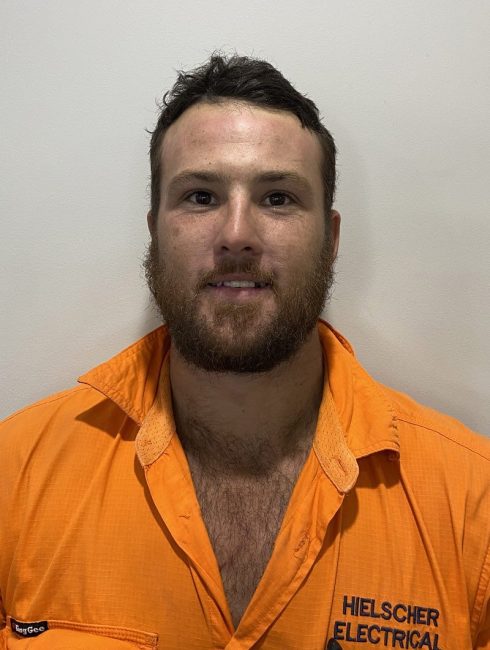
{"type": "Point", "coordinates": [65, 635]}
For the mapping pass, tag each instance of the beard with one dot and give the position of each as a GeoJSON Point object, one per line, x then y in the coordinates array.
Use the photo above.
{"type": "Point", "coordinates": [236, 340]}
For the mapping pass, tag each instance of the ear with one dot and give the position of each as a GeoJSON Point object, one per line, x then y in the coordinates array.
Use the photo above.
{"type": "Point", "coordinates": [335, 226]}
{"type": "Point", "coordinates": [150, 220]}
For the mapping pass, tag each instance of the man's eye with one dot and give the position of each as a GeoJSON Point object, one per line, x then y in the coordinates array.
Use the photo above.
{"type": "Point", "coordinates": [200, 197]}
{"type": "Point", "coordinates": [278, 199]}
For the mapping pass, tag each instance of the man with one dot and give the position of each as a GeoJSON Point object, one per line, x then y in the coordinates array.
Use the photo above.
{"type": "Point", "coordinates": [235, 479]}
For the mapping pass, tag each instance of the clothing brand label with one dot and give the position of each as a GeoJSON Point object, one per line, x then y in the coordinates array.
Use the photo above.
{"type": "Point", "coordinates": [28, 629]}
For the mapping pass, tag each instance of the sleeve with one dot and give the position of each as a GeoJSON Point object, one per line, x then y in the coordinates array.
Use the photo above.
{"type": "Point", "coordinates": [483, 639]}
{"type": "Point", "coordinates": [483, 606]}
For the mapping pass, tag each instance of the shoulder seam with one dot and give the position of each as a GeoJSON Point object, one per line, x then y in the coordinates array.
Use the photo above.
{"type": "Point", "coordinates": [429, 428]}
{"type": "Point", "coordinates": [46, 400]}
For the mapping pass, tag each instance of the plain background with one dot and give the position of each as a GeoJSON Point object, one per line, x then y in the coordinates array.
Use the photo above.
{"type": "Point", "coordinates": [403, 86]}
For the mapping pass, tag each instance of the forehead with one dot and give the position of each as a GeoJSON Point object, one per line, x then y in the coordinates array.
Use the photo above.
{"type": "Point", "coordinates": [237, 136]}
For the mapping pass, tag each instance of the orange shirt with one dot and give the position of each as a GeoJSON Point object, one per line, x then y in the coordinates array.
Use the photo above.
{"type": "Point", "coordinates": [102, 545]}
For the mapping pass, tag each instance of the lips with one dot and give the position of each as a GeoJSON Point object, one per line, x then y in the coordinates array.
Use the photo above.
{"type": "Point", "coordinates": [245, 279]}
{"type": "Point", "coordinates": [238, 290]}
{"type": "Point", "coordinates": [239, 284]}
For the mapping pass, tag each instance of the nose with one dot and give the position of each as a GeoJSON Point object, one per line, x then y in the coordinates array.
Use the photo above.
{"type": "Point", "coordinates": [238, 233]}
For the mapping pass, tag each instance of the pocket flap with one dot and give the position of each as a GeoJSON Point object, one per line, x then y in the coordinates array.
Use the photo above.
{"type": "Point", "coordinates": [66, 635]}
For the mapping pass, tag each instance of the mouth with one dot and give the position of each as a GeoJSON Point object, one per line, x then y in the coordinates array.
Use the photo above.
{"type": "Point", "coordinates": [239, 284]}
{"type": "Point", "coordinates": [239, 291]}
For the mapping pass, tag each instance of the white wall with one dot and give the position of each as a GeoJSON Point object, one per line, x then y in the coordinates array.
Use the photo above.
{"type": "Point", "coordinates": [403, 86]}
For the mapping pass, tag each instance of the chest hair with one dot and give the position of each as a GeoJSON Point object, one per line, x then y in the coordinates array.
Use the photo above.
{"type": "Point", "coordinates": [243, 514]}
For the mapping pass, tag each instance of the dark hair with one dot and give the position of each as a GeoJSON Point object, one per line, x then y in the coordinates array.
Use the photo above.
{"type": "Point", "coordinates": [245, 79]}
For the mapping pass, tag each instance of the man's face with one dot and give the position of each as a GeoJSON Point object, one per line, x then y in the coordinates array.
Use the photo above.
{"type": "Point", "coordinates": [240, 261]}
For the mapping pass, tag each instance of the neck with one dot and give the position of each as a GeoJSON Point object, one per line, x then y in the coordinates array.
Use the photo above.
{"type": "Point", "coordinates": [248, 423]}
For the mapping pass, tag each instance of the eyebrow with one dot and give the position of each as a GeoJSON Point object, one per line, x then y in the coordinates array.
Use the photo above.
{"type": "Point", "coordinates": [272, 176]}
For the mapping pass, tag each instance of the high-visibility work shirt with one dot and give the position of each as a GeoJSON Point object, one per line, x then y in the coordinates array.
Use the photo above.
{"type": "Point", "coordinates": [384, 543]}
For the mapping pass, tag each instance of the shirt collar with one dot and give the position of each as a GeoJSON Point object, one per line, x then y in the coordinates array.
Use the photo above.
{"type": "Point", "coordinates": [130, 379]}
{"type": "Point", "coordinates": [355, 418]}
{"type": "Point", "coordinates": [365, 412]}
